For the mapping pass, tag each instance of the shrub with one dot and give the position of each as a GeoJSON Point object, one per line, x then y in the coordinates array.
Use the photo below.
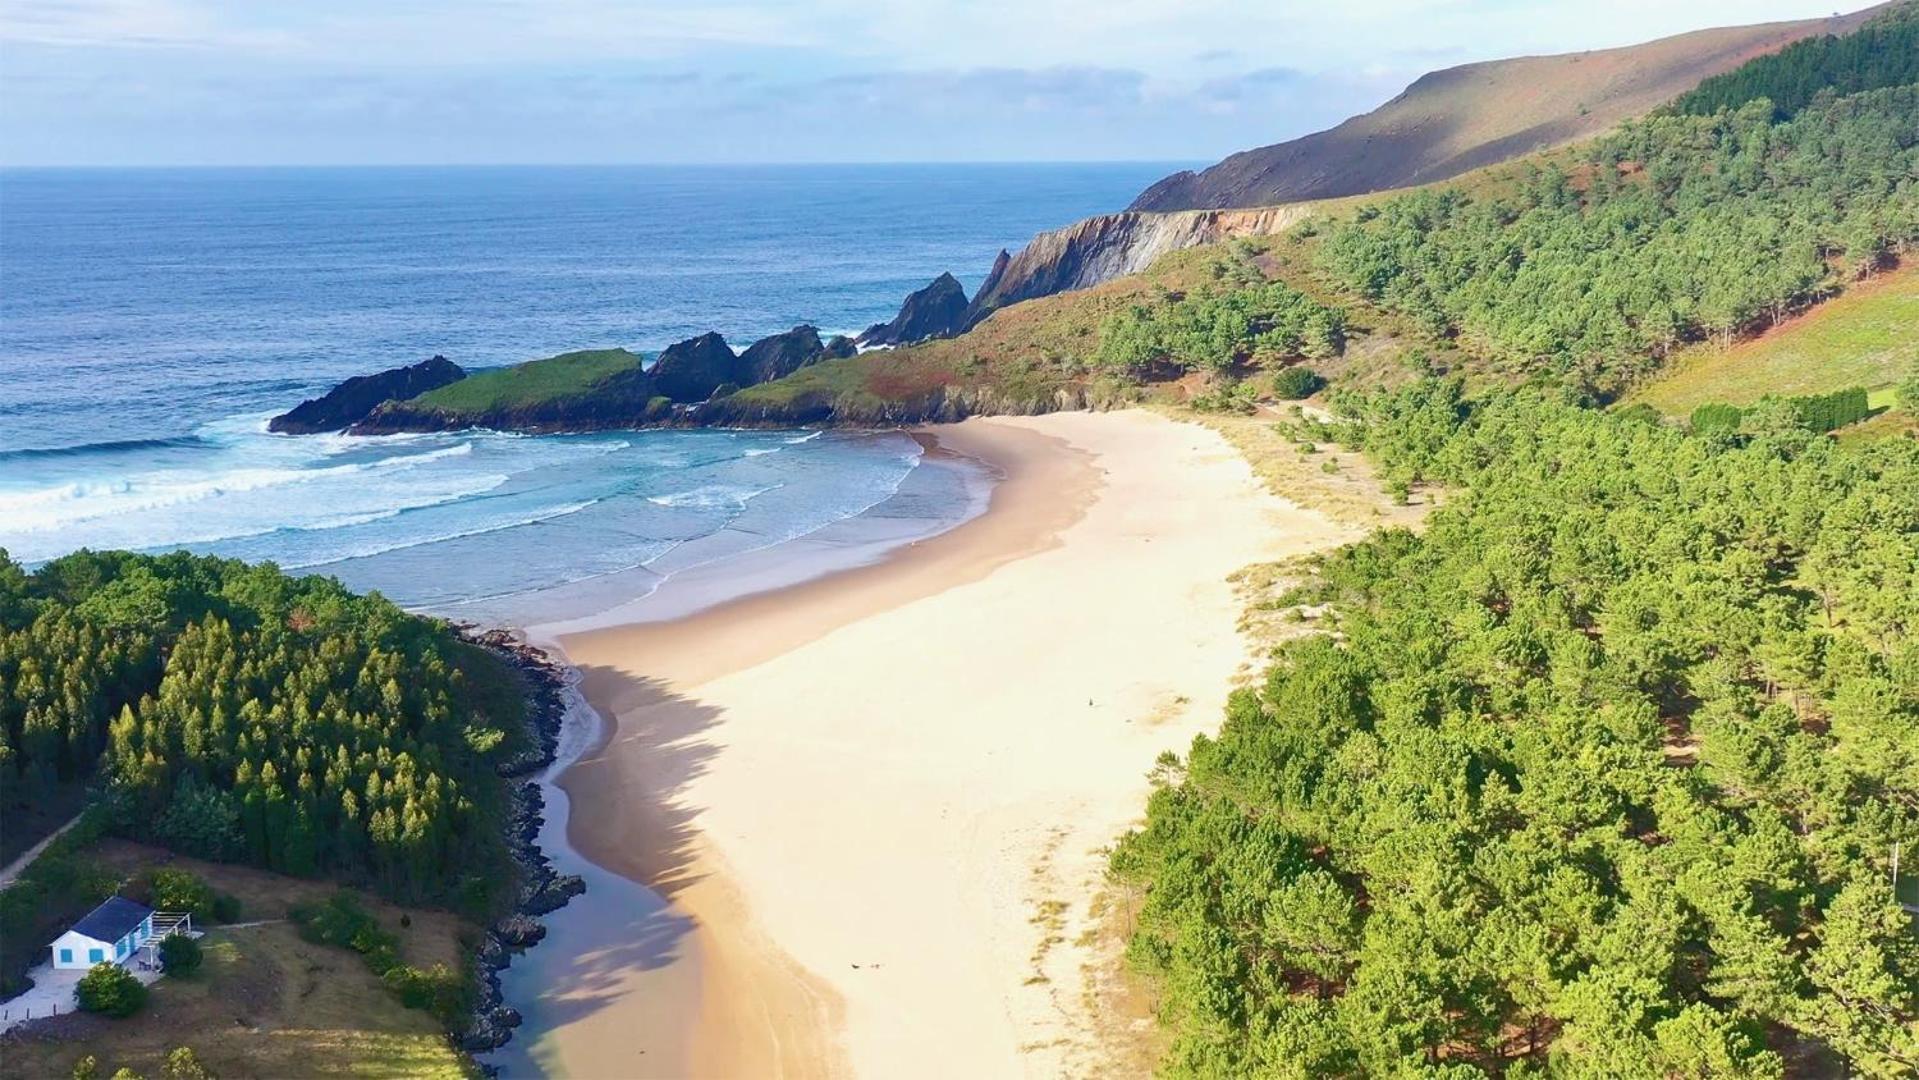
{"type": "Point", "coordinates": [438, 990]}
{"type": "Point", "coordinates": [1228, 396]}
{"type": "Point", "coordinates": [226, 908]}
{"type": "Point", "coordinates": [184, 1064]}
{"type": "Point", "coordinates": [1297, 382]}
{"type": "Point", "coordinates": [87, 1068]}
{"type": "Point", "coordinates": [1641, 413]}
{"type": "Point", "coordinates": [1717, 417]}
{"type": "Point", "coordinates": [182, 890]}
{"type": "Point", "coordinates": [1830, 412]}
{"type": "Point", "coordinates": [111, 990]}
{"type": "Point", "coordinates": [180, 954]}
{"type": "Point", "coordinates": [1908, 394]}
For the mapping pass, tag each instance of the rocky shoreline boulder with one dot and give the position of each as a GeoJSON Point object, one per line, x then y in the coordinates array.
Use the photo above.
{"type": "Point", "coordinates": [781, 354]}
{"type": "Point", "coordinates": [691, 370]}
{"type": "Point", "coordinates": [936, 311]}
{"type": "Point", "coordinates": [351, 401]}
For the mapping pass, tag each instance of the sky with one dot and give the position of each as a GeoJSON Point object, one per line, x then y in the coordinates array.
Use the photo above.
{"type": "Point", "coordinates": [174, 82]}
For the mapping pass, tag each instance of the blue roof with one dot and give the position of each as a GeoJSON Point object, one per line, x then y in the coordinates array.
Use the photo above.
{"type": "Point", "coordinates": [113, 919]}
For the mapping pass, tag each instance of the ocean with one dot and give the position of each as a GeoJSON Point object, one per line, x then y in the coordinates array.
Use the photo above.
{"type": "Point", "coordinates": [152, 320]}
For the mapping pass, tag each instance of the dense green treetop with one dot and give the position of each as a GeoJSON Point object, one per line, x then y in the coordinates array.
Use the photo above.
{"type": "Point", "coordinates": [1674, 228]}
{"type": "Point", "coordinates": [1599, 775]}
{"type": "Point", "coordinates": [1884, 52]}
{"type": "Point", "coordinates": [234, 712]}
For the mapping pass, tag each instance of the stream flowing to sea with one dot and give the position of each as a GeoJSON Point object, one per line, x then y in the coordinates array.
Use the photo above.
{"type": "Point", "coordinates": [151, 321]}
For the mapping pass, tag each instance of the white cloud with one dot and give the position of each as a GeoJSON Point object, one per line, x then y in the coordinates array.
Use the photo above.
{"type": "Point", "coordinates": [557, 80]}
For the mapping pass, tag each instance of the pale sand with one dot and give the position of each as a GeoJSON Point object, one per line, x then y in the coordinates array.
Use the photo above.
{"type": "Point", "coordinates": [881, 796]}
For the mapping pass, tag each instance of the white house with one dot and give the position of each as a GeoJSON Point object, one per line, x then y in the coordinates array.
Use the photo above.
{"type": "Point", "coordinates": [110, 933]}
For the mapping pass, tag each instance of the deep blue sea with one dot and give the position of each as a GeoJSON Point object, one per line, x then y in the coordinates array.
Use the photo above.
{"type": "Point", "coordinates": [152, 320]}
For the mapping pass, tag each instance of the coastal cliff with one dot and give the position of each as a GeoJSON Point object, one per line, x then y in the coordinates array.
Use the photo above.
{"type": "Point", "coordinates": [1100, 249]}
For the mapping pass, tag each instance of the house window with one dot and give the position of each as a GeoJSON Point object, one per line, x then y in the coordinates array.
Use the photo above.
{"type": "Point", "coordinates": [120, 947]}
{"type": "Point", "coordinates": [66, 956]}
{"type": "Point", "coordinates": [96, 956]}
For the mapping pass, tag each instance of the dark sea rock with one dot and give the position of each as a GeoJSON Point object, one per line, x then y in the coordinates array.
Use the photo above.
{"type": "Point", "coordinates": [937, 311]}
{"type": "Point", "coordinates": [839, 347]}
{"type": "Point", "coordinates": [519, 931]}
{"type": "Point", "coordinates": [691, 370]}
{"type": "Point", "coordinates": [350, 402]}
{"type": "Point", "coordinates": [779, 355]}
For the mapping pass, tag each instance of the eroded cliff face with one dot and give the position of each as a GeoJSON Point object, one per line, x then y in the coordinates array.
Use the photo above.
{"type": "Point", "coordinates": [1102, 248]}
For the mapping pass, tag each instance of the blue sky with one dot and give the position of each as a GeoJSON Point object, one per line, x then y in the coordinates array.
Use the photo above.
{"type": "Point", "coordinates": [484, 81]}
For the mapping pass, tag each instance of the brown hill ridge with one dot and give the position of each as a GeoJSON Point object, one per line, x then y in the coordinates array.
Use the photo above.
{"type": "Point", "coordinates": [1452, 121]}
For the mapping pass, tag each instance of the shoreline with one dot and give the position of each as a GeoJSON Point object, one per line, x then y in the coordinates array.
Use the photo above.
{"type": "Point", "coordinates": [850, 792]}
{"type": "Point", "coordinates": [614, 905]}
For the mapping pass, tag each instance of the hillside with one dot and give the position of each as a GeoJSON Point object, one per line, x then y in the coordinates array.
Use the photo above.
{"type": "Point", "coordinates": [1449, 122]}
{"type": "Point", "coordinates": [1864, 338]}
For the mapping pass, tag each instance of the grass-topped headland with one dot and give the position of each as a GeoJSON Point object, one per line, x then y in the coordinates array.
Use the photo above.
{"type": "Point", "coordinates": [533, 383]}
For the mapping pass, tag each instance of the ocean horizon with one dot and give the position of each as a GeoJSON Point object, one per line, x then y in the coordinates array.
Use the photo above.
{"type": "Point", "coordinates": [153, 319]}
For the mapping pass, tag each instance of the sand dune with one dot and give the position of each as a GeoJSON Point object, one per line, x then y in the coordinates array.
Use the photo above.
{"type": "Point", "coordinates": [880, 798]}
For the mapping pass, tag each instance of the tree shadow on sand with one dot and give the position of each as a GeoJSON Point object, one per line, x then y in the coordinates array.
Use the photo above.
{"type": "Point", "coordinates": [633, 840]}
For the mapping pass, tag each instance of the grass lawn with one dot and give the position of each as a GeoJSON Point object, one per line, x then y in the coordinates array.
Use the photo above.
{"type": "Point", "coordinates": [1868, 337]}
{"type": "Point", "coordinates": [265, 1003]}
{"type": "Point", "coordinates": [535, 381]}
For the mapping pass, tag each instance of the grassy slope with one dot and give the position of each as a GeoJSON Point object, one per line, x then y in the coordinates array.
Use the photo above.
{"type": "Point", "coordinates": [1028, 350]}
{"type": "Point", "coordinates": [536, 381]}
{"type": "Point", "coordinates": [1868, 337]}
{"type": "Point", "coordinates": [266, 1003]}
{"type": "Point", "coordinates": [1462, 118]}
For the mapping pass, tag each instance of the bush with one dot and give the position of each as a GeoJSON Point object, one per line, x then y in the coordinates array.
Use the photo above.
{"type": "Point", "coordinates": [226, 908]}
{"type": "Point", "coordinates": [111, 990]}
{"type": "Point", "coordinates": [184, 1064]}
{"type": "Point", "coordinates": [1641, 413]}
{"type": "Point", "coordinates": [1830, 412]}
{"type": "Point", "coordinates": [182, 890]}
{"type": "Point", "coordinates": [1294, 383]}
{"type": "Point", "coordinates": [1908, 395]}
{"type": "Point", "coordinates": [1716, 417]}
{"type": "Point", "coordinates": [180, 954]}
{"type": "Point", "coordinates": [438, 990]}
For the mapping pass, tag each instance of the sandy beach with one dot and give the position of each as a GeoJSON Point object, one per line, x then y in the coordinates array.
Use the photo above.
{"type": "Point", "coordinates": [877, 802]}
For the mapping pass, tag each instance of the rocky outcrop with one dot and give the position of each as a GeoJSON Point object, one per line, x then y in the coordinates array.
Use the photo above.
{"type": "Point", "coordinates": [1103, 248]}
{"type": "Point", "coordinates": [839, 347]}
{"type": "Point", "coordinates": [781, 354]}
{"type": "Point", "coordinates": [350, 402]}
{"type": "Point", "coordinates": [691, 370]}
{"type": "Point", "coordinates": [1452, 121]}
{"type": "Point", "coordinates": [936, 311]}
